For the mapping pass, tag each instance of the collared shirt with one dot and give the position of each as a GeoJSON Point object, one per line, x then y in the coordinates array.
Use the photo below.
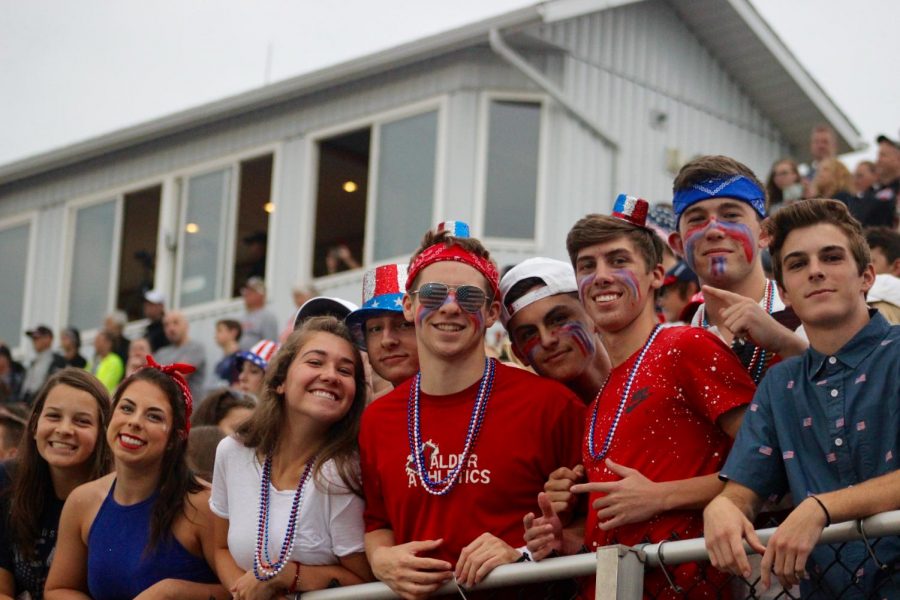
{"type": "Point", "coordinates": [821, 423]}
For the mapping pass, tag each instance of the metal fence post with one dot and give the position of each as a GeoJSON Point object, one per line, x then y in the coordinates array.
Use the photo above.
{"type": "Point", "coordinates": [620, 573]}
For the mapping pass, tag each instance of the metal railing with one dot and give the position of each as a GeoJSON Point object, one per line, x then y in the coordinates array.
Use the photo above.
{"type": "Point", "coordinates": [619, 570]}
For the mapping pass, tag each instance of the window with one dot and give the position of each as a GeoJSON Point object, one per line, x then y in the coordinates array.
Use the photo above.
{"type": "Point", "coordinates": [224, 230]}
{"type": "Point", "coordinates": [397, 159]}
{"type": "Point", "coordinates": [14, 245]}
{"type": "Point", "coordinates": [113, 256]}
{"type": "Point", "coordinates": [510, 194]}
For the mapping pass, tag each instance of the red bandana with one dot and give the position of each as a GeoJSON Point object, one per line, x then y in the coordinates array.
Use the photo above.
{"type": "Point", "coordinates": [177, 371]}
{"type": "Point", "coordinates": [441, 253]}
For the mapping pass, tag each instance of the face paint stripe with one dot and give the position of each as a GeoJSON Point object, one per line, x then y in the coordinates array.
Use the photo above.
{"type": "Point", "coordinates": [584, 285]}
{"type": "Point", "coordinates": [628, 278]}
{"type": "Point", "coordinates": [582, 339]}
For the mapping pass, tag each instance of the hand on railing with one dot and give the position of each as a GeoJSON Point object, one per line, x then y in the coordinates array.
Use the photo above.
{"type": "Point", "coordinates": [726, 528]}
{"type": "Point", "coordinates": [789, 547]}
{"type": "Point", "coordinates": [482, 556]}
{"type": "Point", "coordinates": [408, 575]}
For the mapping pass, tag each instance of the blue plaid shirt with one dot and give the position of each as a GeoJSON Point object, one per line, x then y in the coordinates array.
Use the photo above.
{"type": "Point", "coordinates": [821, 423]}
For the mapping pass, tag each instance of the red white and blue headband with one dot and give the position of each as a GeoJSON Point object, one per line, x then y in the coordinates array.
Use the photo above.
{"type": "Point", "coordinates": [731, 186]}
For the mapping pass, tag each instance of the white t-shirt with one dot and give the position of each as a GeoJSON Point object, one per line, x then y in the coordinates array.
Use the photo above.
{"type": "Point", "coordinates": [329, 525]}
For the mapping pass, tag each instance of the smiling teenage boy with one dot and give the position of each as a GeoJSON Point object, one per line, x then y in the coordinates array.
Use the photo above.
{"type": "Point", "coordinates": [719, 205]}
{"type": "Point", "coordinates": [453, 458]}
{"type": "Point", "coordinates": [667, 412]}
{"type": "Point", "coordinates": [823, 425]}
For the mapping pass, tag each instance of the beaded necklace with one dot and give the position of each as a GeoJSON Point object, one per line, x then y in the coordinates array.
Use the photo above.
{"type": "Point", "coordinates": [264, 568]}
{"type": "Point", "coordinates": [612, 430]}
{"type": "Point", "coordinates": [760, 356]}
{"type": "Point", "coordinates": [414, 432]}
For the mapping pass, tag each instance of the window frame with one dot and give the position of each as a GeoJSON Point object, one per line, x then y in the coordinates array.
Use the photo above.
{"type": "Point", "coordinates": [374, 122]}
{"type": "Point", "coordinates": [29, 218]}
{"type": "Point", "coordinates": [483, 131]}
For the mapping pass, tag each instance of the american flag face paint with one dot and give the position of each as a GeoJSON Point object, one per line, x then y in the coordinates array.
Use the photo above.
{"type": "Point", "coordinates": [584, 285]}
{"type": "Point", "coordinates": [738, 232]}
{"type": "Point", "coordinates": [580, 336]}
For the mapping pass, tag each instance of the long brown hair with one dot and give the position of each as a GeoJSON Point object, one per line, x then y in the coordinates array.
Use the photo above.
{"type": "Point", "coordinates": [31, 480]}
{"type": "Point", "coordinates": [262, 430]}
{"type": "Point", "coordinates": [176, 480]}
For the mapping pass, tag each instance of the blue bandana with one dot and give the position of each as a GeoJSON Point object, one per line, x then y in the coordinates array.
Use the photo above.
{"type": "Point", "coordinates": [734, 186]}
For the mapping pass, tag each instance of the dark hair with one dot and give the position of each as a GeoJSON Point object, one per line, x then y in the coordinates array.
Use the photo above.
{"type": "Point", "coordinates": [11, 430]}
{"type": "Point", "coordinates": [176, 480]}
{"type": "Point", "coordinates": [216, 405]}
{"type": "Point", "coordinates": [813, 212]}
{"type": "Point", "coordinates": [231, 325]}
{"type": "Point", "coordinates": [201, 452]}
{"type": "Point", "coordinates": [262, 430]}
{"type": "Point", "coordinates": [774, 195]}
{"type": "Point", "coordinates": [599, 229]}
{"type": "Point", "coordinates": [521, 288]}
{"type": "Point", "coordinates": [703, 168]}
{"type": "Point", "coordinates": [469, 244]}
{"type": "Point", "coordinates": [31, 479]}
{"type": "Point", "coordinates": [888, 240]}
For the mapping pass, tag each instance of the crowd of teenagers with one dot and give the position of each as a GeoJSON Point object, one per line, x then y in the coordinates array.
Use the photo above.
{"type": "Point", "coordinates": [657, 386]}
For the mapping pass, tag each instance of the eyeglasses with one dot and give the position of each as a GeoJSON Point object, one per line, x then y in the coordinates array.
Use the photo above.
{"type": "Point", "coordinates": [469, 297]}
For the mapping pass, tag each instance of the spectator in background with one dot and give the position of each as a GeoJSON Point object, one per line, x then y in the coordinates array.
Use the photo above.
{"type": "Point", "coordinates": [822, 145]}
{"type": "Point", "coordinates": [12, 374]}
{"type": "Point", "coordinates": [228, 332]}
{"type": "Point", "coordinates": [70, 342]}
{"type": "Point", "coordinates": [252, 365]}
{"type": "Point", "coordinates": [183, 349]}
{"type": "Point", "coordinates": [885, 246]}
{"type": "Point", "coordinates": [155, 311]}
{"type": "Point", "coordinates": [258, 322]}
{"type": "Point", "coordinates": [115, 323]}
{"type": "Point", "coordinates": [878, 205]}
{"type": "Point", "coordinates": [864, 176]}
{"type": "Point", "coordinates": [46, 362]}
{"type": "Point", "coordinates": [138, 350]}
{"type": "Point", "coordinates": [106, 366]}
{"type": "Point", "coordinates": [784, 184]}
{"type": "Point", "coordinates": [225, 408]}
{"type": "Point", "coordinates": [12, 426]}
{"type": "Point", "coordinates": [257, 246]}
{"type": "Point", "coordinates": [676, 296]}
{"type": "Point", "coordinates": [833, 180]}
{"type": "Point", "coordinates": [300, 293]}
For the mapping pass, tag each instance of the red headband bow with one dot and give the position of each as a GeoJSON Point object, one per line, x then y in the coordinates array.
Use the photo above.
{"type": "Point", "coordinates": [442, 253]}
{"type": "Point", "coordinates": [177, 371]}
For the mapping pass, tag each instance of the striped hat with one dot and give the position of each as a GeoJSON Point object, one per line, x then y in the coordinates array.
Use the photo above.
{"type": "Point", "coordinates": [260, 354]}
{"type": "Point", "coordinates": [382, 292]}
{"type": "Point", "coordinates": [631, 210]}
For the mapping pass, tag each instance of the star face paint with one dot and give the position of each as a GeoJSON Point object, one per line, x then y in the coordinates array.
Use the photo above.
{"type": "Point", "coordinates": [630, 281]}
{"type": "Point", "coordinates": [738, 232]}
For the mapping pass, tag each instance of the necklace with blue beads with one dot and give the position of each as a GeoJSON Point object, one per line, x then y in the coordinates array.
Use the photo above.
{"type": "Point", "coordinates": [414, 432]}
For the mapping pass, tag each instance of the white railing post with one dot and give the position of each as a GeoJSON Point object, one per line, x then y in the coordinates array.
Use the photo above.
{"type": "Point", "coordinates": [620, 573]}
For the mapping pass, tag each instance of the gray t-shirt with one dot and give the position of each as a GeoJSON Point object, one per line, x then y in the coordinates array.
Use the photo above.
{"type": "Point", "coordinates": [192, 353]}
{"type": "Point", "coordinates": [258, 325]}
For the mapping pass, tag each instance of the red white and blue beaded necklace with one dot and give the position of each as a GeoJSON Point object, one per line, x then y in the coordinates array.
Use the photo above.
{"type": "Point", "coordinates": [264, 568]}
{"type": "Point", "coordinates": [607, 443]}
{"type": "Point", "coordinates": [414, 431]}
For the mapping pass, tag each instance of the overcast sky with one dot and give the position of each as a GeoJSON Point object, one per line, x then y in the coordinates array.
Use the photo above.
{"type": "Point", "coordinates": [73, 70]}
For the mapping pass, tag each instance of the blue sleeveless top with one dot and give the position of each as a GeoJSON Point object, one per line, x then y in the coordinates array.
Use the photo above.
{"type": "Point", "coordinates": [118, 566]}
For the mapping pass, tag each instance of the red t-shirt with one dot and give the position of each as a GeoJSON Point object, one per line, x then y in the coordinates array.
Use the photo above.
{"type": "Point", "coordinates": [531, 426]}
{"type": "Point", "coordinates": [668, 430]}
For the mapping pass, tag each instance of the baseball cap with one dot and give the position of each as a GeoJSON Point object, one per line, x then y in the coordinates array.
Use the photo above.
{"type": "Point", "coordinates": [883, 139]}
{"type": "Point", "coordinates": [322, 306]}
{"type": "Point", "coordinates": [558, 278]}
{"type": "Point", "coordinates": [256, 284]}
{"type": "Point", "coordinates": [382, 292]}
{"type": "Point", "coordinates": [154, 297]}
{"type": "Point", "coordinates": [260, 354]}
{"type": "Point", "coordinates": [39, 330]}
{"type": "Point", "coordinates": [680, 272]}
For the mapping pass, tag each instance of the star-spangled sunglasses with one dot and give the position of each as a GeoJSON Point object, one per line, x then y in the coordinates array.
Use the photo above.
{"type": "Point", "coordinates": [469, 297]}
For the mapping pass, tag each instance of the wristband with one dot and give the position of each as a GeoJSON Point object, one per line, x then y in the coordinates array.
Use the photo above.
{"type": "Point", "coordinates": [825, 510]}
{"type": "Point", "coordinates": [526, 555]}
{"type": "Point", "coordinates": [296, 582]}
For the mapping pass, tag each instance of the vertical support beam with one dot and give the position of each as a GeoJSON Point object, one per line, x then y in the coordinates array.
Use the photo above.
{"type": "Point", "coordinates": [620, 574]}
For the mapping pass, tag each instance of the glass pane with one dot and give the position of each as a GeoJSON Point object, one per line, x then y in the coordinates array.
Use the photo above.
{"type": "Point", "coordinates": [13, 261]}
{"type": "Point", "coordinates": [405, 184]}
{"type": "Point", "coordinates": [91, 265]}
{"type": "Point", "coordinates": [204, 225]}
{"type": "Point", "coordinates": [253, 210]}
{"type": "Point", "coordinates": [137, 254]}
{"type": "Point", "coordinates": [512, 164]}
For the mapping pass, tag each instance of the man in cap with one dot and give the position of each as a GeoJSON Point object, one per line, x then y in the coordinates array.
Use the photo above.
{"type": "Point", "coordinates": [46, 362]}
{"type": "Point", "coordinates": [719, 205]}
{"type": "Point", "coordinates": [878, 206]}
{"type": "Point", "coordinates": [381, 329]}
{"type": "Point", "coordinates": [452, 458]}
{"type": "Point", "coordinates": [258, 322]}
{"type": "Point", "coordinates": [661, 424]}
{"type": "Point", "coordinates": [154, 311]}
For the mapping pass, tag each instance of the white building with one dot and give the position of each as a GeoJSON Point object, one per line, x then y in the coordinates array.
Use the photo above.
{"type": "Point", "coordinates": [519, 125]}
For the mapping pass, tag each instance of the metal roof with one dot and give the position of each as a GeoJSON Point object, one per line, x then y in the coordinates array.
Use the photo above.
{"type": "Point", "coordinates": [732, 30]}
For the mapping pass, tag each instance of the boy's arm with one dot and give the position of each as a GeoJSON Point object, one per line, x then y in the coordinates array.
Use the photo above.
{"type": "Point", "coordinates": [399, 567]}
{"type": "Point", "coordinates": [727, 523]}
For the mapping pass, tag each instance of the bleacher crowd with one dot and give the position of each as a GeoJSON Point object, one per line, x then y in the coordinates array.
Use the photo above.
{"type": "Point", "coordinates": [695, 364]}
